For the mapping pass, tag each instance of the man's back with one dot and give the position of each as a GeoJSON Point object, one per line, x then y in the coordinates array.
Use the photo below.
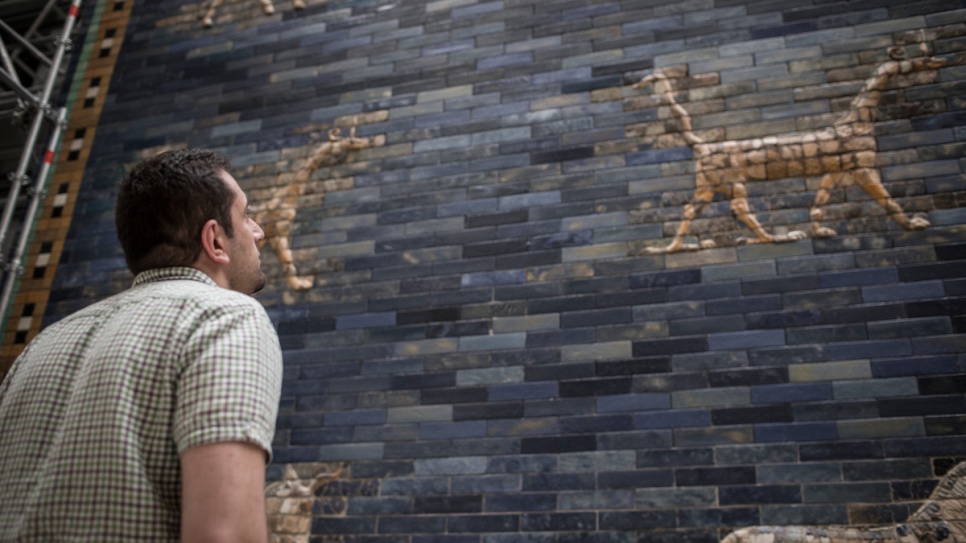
{"type": "Point", "coordinates": [96, 412]}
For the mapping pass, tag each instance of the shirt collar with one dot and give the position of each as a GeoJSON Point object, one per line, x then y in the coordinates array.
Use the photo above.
{"type": "Point", "coordinates": [172, 274]}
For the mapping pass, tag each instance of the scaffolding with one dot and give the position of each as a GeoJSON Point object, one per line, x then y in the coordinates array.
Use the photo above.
{"type": "Point", "coordinates": [28, 81]}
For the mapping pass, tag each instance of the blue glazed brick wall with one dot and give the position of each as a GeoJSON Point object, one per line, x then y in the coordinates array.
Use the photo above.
{"type": "Point", "coordinates": [484, 348]}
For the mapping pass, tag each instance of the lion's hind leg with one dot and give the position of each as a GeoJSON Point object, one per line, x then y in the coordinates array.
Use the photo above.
{"type": "Point", "coordinates": [702, 197]}
{"type": "Point", "coordinates": [868, 179]}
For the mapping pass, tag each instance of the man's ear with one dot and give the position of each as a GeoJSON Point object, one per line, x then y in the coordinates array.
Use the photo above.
{"type": "Point", "coordinates": [214, 242]}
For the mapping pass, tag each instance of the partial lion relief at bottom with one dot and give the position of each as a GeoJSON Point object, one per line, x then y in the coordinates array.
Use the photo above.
{"type": "Point", "coordinates": [941, 519]}
{"type": "Point", "coordinates": [290, 503]}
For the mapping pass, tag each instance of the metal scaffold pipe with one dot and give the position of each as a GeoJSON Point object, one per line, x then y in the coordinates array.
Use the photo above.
{"type": "Point", "coordinates": [19, 177]}
{"type": "Point", "coordinates": [38, 193]}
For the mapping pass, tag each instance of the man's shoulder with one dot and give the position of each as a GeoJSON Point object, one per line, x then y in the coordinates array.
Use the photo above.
{"type": "Point", "coordinates": [187, 284]}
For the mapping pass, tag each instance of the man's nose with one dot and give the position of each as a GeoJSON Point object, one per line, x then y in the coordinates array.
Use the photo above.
{"type": "Point", "coordinates": [259, 233]}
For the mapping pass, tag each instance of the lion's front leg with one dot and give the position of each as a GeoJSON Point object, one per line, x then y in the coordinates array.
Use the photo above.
{"type": "Point", "coordinates": [280, 243]}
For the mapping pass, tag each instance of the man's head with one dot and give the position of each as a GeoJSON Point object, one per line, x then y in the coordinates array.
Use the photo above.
{"type": "Point", "coordinates": [165, 204]}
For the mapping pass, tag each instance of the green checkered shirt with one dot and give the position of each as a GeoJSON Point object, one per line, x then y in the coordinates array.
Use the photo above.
{"type": "Point", "coordinates": [95, 412]}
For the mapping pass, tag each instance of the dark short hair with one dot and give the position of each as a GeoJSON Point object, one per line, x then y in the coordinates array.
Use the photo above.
{"type": "Point", "coordinates": [163, 203]}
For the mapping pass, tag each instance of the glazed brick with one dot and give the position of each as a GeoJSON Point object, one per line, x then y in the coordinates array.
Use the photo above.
{"type": "Point", "coordinates": [447, 504]}
{"type": "Point", "coordinates": [408, 524]}
{"type": "Point", "coordinates": [495, 219]}
{"type": "Point", "coordinates": [679, 418]}
{"type": "Point", "coordinates": [799, 473]}
{"type": "Point", "coordinates": [906, 291]}
{"type": "Point", "coordinates": [538, 445]}
{"type": "Point", "coordinates": [677, 293]}
{"type": "Point", "coordinates": [784, 393]}
{"type": "Point", "coordinates": [381, 469]}
{"type": "Point", "coordinates": [939, 344]}
{"type": "Point", "coordinates": [559, 481]}
{"type": "Point", "coordinates": [527, 260]}
{"type": "Point", "coordinates": [865, 313]}
{"type": "Point", "coordinates": [951, 384]}
{"type": "Point", "coordinates": [556, 407]}
{"type": "Point", "coordinates": [595, 423]}
{"type": "Point", "coordinates": [483, 523]}
{"type": "Point", "coordinates": [933, 326]}
{"type": "Point", "coordinates": [748, 304]}
{"type": "Point", "coordinates": [560, 372]}
{"type": "Point", "coordinates": [945, 425]}
{"type": "Point", "coordinates": [734, 475]}
{"type": "Point", "coordinates": [669, 346]}
{"type": "Point", "coordinates": [937, 270]}
{"type": "Point", "coordinates": [826, 298]}
{"type": "Point", "coordinates": [762, 494]}
{"type": "Point", "coordinates": [637, 520]}
{"type": "Point", "coordinates": [908, 407]}
{"type": "Point", "coordinates": [786, 355]}
{"type": "Point", "coordinates": [636, 298]}
{"type": "Point", "coordinates": [656, 364]}
{"type": "Point", "coordinates": [751, 415]}
{"type": "Point", "coordinates": [852, 450]}
{"type": "Point", "coordinates": [345, 525]}
{"type": "Point", "coordinates": [951, 251]}
{"type": "Point", "coordinates": [595, 387]}
{"type": "Point", "coordinates": [674, 457]}
{"type": "Point", "coordinates": [523, 391]}
{"type": "Point", "coordinates": [526, 501]}
{"type": "Point", "coordinates": [671, 382]}
{"type": "Point", "coordinates": [748, 377]}
{"type": "Point", "coordinates": [665, 278]}
{"type": "Point", "coordinates": [675, 310]}
{"type": "Point", "coordinates": [536, 339]}
{"type": "Point", "coordinates": [492, 278]}
{"type": "Point", "coordinates": [900, 386]}
{"type": "Point", "coordinates": [622, 441]}
{"type": "Point", "coordinates": [929, 308]}
{"type": "Point", "coordinates": [471, 411]}
{"type": "Point", "coordinates": [597, 537]}
{"type": "Point", "coordinates": [425, 380]}
{"type": "Point", "coordinates": [561, 305]}
{"type": "Point", "coordinates": [493, 248]}
{"type": "Point", "coordinates": [713, 518]}
{"type": "Point", "coordinates": [924, 365]}
{"type": "Point", "coordinates": [635, 479]}
{"type": "Point", "coordinates": [755, 454]}
{"type": "Point", "coordinates": [929, 446]}
{"type": "Point", "coordinates": [887, 469]}
{"type": "Point", "coordinates": [804, 431]}
{"type": "Point", "coordinates": [826, 335]}
{"type": "Point", "coordinates": [558, 522]}
{"type": "Point", "coordinates": [598, 317]}
{"type": "Point", "coordinates": [428, 315]}
{"type": "Point", "coordinates": [863, 277]}
{"type": "Point", "coordinates": [784, 515]}
{"type": "Point", "coordinates": [753, 287]}
{"type": "Point", "coordinates": [633, 402]}
{"type": "Point", "coordinates": [869, 349]}
{"type": "Point", "coordinates": [746, 339]}
{"type": "Point", "coordinates": [616, 285]}
{"type": "Point", "coordinates": [452, 395]}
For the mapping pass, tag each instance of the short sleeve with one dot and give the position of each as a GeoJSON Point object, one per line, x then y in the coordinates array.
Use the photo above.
{"type": "Point", "coordinates": [230, 383]}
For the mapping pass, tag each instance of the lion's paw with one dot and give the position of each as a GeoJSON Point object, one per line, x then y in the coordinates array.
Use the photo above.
{"type": "Point", "coordinates": [823, 232]}
{"type": "Point", "coordinates": [918, 223]}
{"type": "Point", "coordinates": [301, 283]}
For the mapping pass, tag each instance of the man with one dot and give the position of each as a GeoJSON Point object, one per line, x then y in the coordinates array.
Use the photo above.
{"type": "Point", "coordinates": [149, 416]}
